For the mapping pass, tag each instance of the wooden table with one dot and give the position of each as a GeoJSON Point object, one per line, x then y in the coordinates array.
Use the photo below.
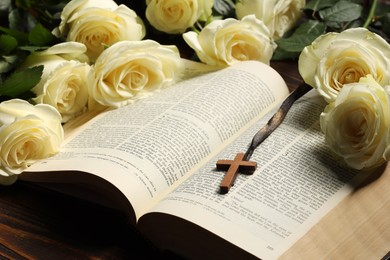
{"type": "Point", "coordinates": [40, 224]}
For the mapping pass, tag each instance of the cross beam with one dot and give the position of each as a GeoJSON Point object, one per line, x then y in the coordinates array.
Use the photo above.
{"type": "Point", "coordinates": [233, 167]}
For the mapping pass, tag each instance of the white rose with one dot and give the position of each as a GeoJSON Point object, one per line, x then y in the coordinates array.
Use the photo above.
{"type": "Point", "coordinates": [63, 84]}
{"type": "Point", "coordinates": [357, 124]}
{"type": "Point", "coordinates": [278, 15]}
{"type": "Point", "coordinates": [335, 59]}
{"type": "Point", "coordinates": [225, 42]}
{"type": "Point", "coordinates": [130, 70]}
{"type": "Point", "coordinates": [27, 134]}
{"type": "Point", "coordinates": [99, 23]}
{"type": "Point", "coordinates": [75, 6]}
{"type": "Point", "coordinates": [176, 16]}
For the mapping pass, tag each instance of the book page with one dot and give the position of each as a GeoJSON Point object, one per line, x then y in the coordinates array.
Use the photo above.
{"type": "Point", "coordinates": [146, 147]}
{"type": "Point", "coordinates": [296, 183]}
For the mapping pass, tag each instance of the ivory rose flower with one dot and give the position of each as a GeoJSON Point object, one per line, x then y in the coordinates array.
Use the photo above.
{"type": "Point", "coordinates": [63, 84]}
{"type": "Point", "coordinates": [28, 133]}
{"type": "Point", "coordinates": [225, 42]}
{"type": "Point", "coordinates": [176, 16]}
{"type": "Point", "coordinates": [335, 59]}
{"type": "Point", "coordinates": [99, 23]}
{"type": "Point", "coordinates": [130, 70]}
{"type": "Point", "coordinates": [278, 15]}
{"type": "Point", "coordinates": [357, 124]}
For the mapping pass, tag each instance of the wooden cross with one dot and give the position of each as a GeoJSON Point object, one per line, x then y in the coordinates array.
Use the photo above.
{"type": "Point", "coordinates": [233, 167]}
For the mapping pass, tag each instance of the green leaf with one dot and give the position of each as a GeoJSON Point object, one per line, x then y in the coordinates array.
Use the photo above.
{"type": "Point", "coordinates": [7, 44]}
{"type": "Point", "coordinates": [304, 35]}
{"type": "Point", "coordinates": [21, 82]}
{"type": "Point", "coordinates": [280, 55]}
{"type": "Point", "coordinates": [317, 5]}
{"type": "Point", "coordinates": [40, 36]}
{"type": "Point", "coordinates": [342, 11]}
{"type": "Point", "coordinates": [21, 37]}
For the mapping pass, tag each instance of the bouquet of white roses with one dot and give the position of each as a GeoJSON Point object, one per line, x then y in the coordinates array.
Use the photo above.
{"type": "Point", "coordinates": [351, 70]}
{"type": "Point", "coordinates": [93, 57]}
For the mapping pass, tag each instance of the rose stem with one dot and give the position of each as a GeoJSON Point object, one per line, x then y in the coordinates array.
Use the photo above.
{"type": "Point", "coordinates": [371, 14]}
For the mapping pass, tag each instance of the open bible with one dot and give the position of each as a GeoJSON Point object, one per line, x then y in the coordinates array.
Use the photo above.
{"type": "Point", "coordinates": [155, 160]}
